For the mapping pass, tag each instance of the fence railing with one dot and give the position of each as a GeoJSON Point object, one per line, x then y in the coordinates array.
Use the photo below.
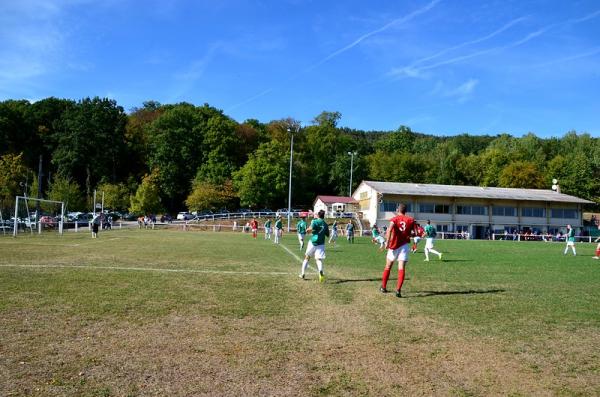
{"type": "Point", "coordinates": [541, 237]}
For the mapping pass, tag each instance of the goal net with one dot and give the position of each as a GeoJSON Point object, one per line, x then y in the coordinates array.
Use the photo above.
{"type": "Point", "coordinates": [34, 215]}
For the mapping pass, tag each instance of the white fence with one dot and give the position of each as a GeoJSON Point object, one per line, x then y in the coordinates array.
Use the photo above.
{"type": "Point", "coordinates": [541, 237]}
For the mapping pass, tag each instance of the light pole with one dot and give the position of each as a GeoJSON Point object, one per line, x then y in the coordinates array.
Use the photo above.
{"type": "Point", "coordinates": [351, 154]}
{"type": "Point", "coordinates": [289, 213]}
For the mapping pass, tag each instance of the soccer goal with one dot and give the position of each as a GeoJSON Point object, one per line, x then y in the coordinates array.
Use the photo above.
{"type": "Point", "coordinates": [34, 215]}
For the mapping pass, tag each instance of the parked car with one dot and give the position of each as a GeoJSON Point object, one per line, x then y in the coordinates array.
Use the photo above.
{"type": "Point", "coordinates": [265, 211]}
{"type": "Point", "coordinates": [305, 214]}
{"type": "Point", "coordinates": [73, 215]}
{"type": "Point", "coordinates": [129, 217]}
{"type": "Point", "coordinates": [81, 219]}
{"type": "Point", "coordinates": [296, 211]}
{"type": "Point", "coordinates": [201, 214]}
{"type": "Point", "coordinates": [6, 224]}
{"type": "Point", "coordinates": [48, 221]}
{"type": "Point", "coordinates": [282, 212]}
{"type": "Point", "coordinates": [184, 216]}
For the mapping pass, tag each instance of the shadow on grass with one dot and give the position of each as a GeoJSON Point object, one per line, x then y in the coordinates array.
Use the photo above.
{"type": "Point", "coordinates": [360, 280]}
{"type": "Point", "coordinates": [452, 260]}
{"type": "Point", "coordinates": [424, 294]}
{"type": "Point", "coordinates": [353, 280]}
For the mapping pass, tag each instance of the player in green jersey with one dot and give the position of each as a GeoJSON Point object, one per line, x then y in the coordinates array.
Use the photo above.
{"type": "Point", "coordinates": [278, 229]}
{"type": "Point", "coordinates": [334, 232]}
{"type": "Point", "coordinates": [316, 244]}
{"type": "Point", "coordinates": [430, 234]}
{"type": "Point", "coordinates": [377, 238]}
{"type": "Point", "coordinates": [268, 229]}
{"type": "Point", "coordinates": [301, 229]}
{"type": "Point", "coordinates": [570, 239]}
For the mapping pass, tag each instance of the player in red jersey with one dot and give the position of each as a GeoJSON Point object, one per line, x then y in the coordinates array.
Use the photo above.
{"type": "Point", "coordinates": [254, 227]}
{"type": "Point", "coordinates": [398, 235]}
{"type": "Point", "coordinates": [597, 256]}
{"type": "Point", "coordinates": [417, 237]}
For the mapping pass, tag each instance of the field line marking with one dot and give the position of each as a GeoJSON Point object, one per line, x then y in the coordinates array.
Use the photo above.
{"type": "Point", "coordinates": [150, 269]}
{"type": "Point", "coordinates": [296, 256]}
{"type": "Point", "coordinates": [291, 253]}
{"type": "Point", "coordinates": [301, 260]}
{"type": "Point", "coordinates": [47, 244]}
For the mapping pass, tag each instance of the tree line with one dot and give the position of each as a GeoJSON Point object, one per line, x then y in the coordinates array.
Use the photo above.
{"type": "Point", "coordinates": [169, 157]}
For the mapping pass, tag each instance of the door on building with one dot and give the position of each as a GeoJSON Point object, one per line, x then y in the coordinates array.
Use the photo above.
{"type": "Point", "coordinates": [478, 232]}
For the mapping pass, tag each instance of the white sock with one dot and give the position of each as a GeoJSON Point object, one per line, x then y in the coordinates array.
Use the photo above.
{"type": "Point", "coordinates": [319, 265]}
{"type": "Point", "coordinates": [426, 253]}
{"type": "Point", "coordinates": [304, 265]}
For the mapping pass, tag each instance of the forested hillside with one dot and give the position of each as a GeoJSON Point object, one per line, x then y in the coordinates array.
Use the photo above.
{"type": "Point", "coordinates": [170, 157]}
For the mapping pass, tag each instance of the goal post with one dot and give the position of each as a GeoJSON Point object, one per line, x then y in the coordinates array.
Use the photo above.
{"type": "Point", "coordinates": [55, 219]}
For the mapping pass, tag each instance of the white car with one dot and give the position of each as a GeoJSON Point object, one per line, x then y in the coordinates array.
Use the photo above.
{"type": "Point", "coordinates": [184, 216]}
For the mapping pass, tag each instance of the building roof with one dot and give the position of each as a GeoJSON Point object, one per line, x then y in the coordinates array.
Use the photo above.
{"type": "Point", "coordinates": [336, 199]}
{"type": "Point", "coordinates": [497, 193]}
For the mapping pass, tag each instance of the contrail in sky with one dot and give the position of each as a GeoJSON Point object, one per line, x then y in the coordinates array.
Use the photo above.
{"type": "Point", "coordinates": [586, 54]}
{"type": "Point", "coordinates": [525, 39]}
{"type": "Point", "coordinates": [467, 43]}
{"type": "Point", "coordinates": [396, 21]}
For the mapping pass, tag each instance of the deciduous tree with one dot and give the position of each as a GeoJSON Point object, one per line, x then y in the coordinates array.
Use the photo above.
{"type": "Point", "coordinates": [263, 180]}
{"type": "Point", "coordinates": [147, 198]}
{"type": "Point", "coordinates": [68, 191]}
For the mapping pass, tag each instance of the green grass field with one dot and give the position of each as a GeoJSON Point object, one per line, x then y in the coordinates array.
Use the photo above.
{"type": "Point", "coordinates": [159, 312]}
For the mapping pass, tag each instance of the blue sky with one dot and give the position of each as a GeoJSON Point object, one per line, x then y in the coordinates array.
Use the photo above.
{"type": "Point", "coordinates": [441, 67]}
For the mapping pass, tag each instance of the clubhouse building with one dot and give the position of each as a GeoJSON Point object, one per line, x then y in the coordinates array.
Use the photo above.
{"type": "Point", "coordinates": [478, 211]}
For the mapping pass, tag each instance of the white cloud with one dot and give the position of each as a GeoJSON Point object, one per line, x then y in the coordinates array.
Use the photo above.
{"type": "Point", "coordinates": [408, 71]}
{"type": "Point", "coordinates": [464, 89]}
{"type": "Point", "coordinates": [462, 93]}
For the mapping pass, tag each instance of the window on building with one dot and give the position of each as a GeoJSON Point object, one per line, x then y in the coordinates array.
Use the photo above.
{"type": "Point", "coordinates": [432, 208]}
{"type": "Point", "coordinates": [442, 209]}
{"type": "Point", "coordinates": [427, 208]}
{"type": "Point", "coordinates": [462, 228]}
{"type": "Point", "coordinates": [564, 213]}
{"type": "Point", "coordinates": [363, 195]}
{"type": "Point", "coordinates": [390, 206]}
{"type": "Point", "coordinates": [533, 212]}
{"type": "Point", "coordinates": [471, 210]}
{"type": "Point", "coordinates": [504, 211]}
{"type": "Point", "coordinates": [441, 228]}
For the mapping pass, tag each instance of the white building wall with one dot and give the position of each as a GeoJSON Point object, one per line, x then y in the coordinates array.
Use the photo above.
{"type": "Point", "coordinates": [365, 194]}
{"type": "Point", "coordinates": [319, 205]}
{"type": "Point", "coordinates": [371, 214]}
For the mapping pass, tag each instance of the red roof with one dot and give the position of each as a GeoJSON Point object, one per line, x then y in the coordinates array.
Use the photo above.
{"type": "Point", "coordinates": [336, 199]}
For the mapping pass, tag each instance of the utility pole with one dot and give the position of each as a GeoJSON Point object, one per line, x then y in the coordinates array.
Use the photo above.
{"type": "Point", "coordinates": [39, 192]}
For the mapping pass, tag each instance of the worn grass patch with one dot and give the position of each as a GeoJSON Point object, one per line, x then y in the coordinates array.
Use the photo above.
{"type": "Point", "coordinates": [154, 313]}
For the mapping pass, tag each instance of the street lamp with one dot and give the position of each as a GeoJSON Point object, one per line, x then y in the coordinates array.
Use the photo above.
{"type": "Point", "coordinates": [351, 154]}
{"type": "Point", "coordinates": [555, 185]}
{"type": "Point", "coordinates": [289, 214]}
